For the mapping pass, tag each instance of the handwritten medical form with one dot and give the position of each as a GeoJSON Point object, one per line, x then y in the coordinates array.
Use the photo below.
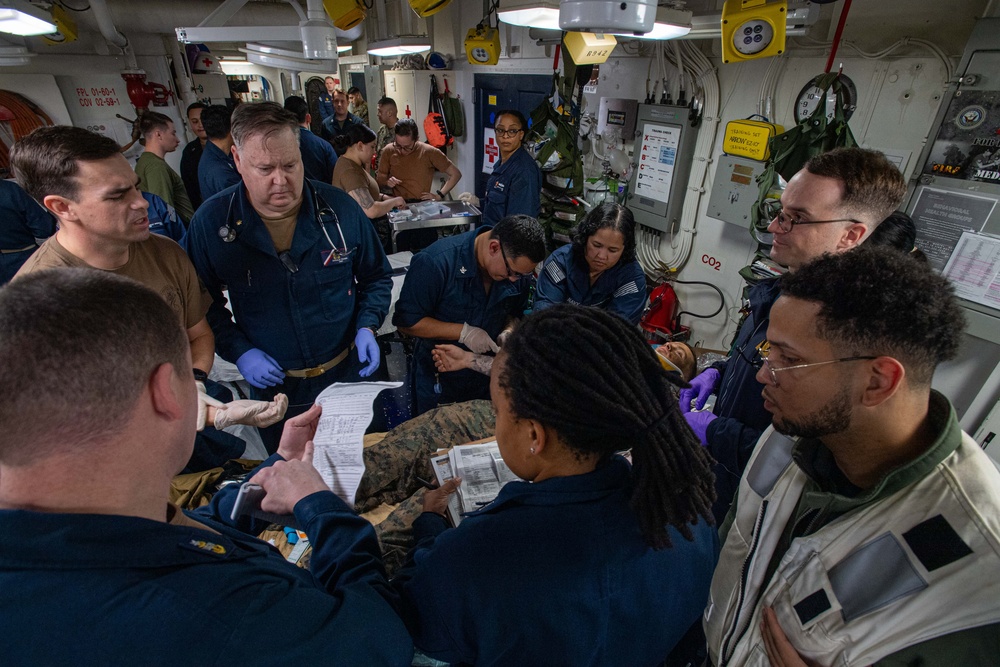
{"type": "Point", "coordinates": [339, 441]}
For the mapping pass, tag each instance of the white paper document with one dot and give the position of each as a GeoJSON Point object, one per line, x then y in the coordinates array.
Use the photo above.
{"type": "Point", "coordinates": [483, 472]}
{"type": "Point", "coordinates": [339, 440]}
{"type": "Point", "coordinates": [974, 269]}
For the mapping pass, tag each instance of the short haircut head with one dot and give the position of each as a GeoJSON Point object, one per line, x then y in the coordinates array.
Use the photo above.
{"type": "Point", "coordinates": [355, 133]}
{"type": "Point", "coordinates": [873, 186]}
{"type": "Point", "coordinates": [195, 105]}
{"type": "Point", "coordinates": [516, 114]}
{"type": "Point", "coordinates": [877, 301]}
{"type": "Point", "coordinates": [606, 216]}
{"type": "Point", "coordinates": [897, 231]}
{"type": "Point", "coordinates": [521, 236]}
{"type": "Point", "coordinates": [81, 365]}
{"type": "Point", "coordinates": [46, 162]}
{"type": "Point", "coordinates": [387, 102]}
{"type": "Point", "coordinates": [216, 119]}
{"type": "Point", "coordinates": [151, 121]}
{"type": "Point", "coordinates": [407, 127]}
{"type": "Point", "coordinates": [338, 91]}
{"type": "Point", "coordinates": [353, 90]}
{"type": "Point", "coordinates": [261, 119]}
{"type": "Point", "coordinates": [297, 106]}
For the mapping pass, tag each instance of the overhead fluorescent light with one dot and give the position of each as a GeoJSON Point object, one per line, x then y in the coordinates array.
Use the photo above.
{"type": "Point", "coordinates": [398, 46]}
{"type": "Point", "coordinates": [530, 13]}
{"type": "Point", "coordinates": [670, 24]}
{"type": "Point", "coordinates": [344, 49]}
{"type": "Point", "coordinates": [21, 18]}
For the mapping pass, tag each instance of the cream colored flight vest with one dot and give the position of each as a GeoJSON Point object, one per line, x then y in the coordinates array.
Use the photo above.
{"type": "Point", "coordinates": [922, 563]}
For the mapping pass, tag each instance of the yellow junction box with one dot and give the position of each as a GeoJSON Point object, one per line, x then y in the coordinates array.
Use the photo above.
{"type": "Point", "coordinates": [748, 138]}
{"type": "Point", "coordinates": [586, 48]}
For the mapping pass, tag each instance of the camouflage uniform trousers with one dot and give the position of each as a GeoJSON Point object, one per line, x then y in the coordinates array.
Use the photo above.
{"type": "Point", "coordinates": [393, 465]}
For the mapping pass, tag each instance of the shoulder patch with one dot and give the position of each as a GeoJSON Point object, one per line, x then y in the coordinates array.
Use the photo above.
{"type": "Point", "coordinates": [555, 271]}
{"type": "Point", "coordinates": [631, 287]}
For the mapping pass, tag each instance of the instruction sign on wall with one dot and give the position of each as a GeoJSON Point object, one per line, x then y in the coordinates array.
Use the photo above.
{"type": "Point", "coordinates": [657, 158]}
{"type": "Point", "coordinates": [941, 216]}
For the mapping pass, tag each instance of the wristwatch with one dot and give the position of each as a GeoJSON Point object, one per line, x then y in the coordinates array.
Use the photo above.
{"type": "Point", "coordinates": [440, 194]}
{"type": "Point", "coordinates": [199, 374]}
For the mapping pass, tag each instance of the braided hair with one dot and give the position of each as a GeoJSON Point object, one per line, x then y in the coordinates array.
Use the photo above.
{"type": "Point", "coordinates": [591, 377]}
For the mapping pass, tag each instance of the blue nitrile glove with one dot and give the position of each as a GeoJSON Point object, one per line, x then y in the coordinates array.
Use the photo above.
{"type": "Point", "coordinates": [259, 369]}
{"type": "Point", "coordinates": [702, 386]}
{"type": "Point", "coordinates": [367, 351]}
{"type": "Point", "coordinates": [699, 421]}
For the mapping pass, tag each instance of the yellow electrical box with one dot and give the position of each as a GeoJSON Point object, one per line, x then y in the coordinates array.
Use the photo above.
{"type": "Point", "coordinates": [345, 14]}
{"type": "Point", "coordinates": [586, 48]}
{"type": "Point", "coordinates": [749, 138]}
{"type": "Point", "coordinates": [65, 26]}
{"type": "Point", "coordinates": [753, 29]}
{"type": "Point", "coordinates": [482, 45]}
{"type": "Point", "coordinates": [424, 8]}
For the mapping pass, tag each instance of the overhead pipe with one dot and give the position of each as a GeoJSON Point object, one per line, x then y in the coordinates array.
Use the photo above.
{"type": "Point", "coordinates": [110, 33]}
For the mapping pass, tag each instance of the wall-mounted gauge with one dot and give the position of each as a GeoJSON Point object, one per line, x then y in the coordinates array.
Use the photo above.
{"type": "Point", "coordinates": [812, 96]}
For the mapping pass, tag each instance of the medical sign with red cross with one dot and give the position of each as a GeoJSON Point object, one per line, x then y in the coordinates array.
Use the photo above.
{"type": "Point", "coordinates": [492, 150]}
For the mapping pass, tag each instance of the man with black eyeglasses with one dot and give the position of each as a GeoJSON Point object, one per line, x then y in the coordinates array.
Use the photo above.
{"type": "Point", "coordinates": [466, 288]}
{"type": "Point", "coordinates": [865, 529]}
{"type": "Point", "coordinates": [830, 206]}
{"type": "Point", "coordinates": [407, 166]}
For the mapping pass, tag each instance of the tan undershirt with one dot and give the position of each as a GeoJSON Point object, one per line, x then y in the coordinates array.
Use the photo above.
{"type": "Point", "coordinates": [282, 229]}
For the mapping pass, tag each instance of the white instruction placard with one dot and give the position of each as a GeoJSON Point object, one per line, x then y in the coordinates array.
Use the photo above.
{"type": "Point", "coordinates": [657, 160]}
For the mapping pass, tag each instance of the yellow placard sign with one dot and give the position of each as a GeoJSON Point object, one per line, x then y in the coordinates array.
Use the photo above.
{"type": "Point", "coordinates": [492, 100]}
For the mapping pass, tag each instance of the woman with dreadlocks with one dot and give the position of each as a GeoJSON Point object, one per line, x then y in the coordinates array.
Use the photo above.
{"type": "Point", "coordinates": [589, 560]}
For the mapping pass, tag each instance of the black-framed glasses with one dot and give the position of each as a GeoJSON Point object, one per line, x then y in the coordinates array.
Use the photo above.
{"type": "Point", "coordinates": [508, 133]}
{"type": "Point", "coordinates": [405, 149]}
{"type": "Point", "coordinates": [787, 222]}
{"type": "Point", "coordinates": [764, 351]}
{"type": "Point", "coordinates": [511, 273]}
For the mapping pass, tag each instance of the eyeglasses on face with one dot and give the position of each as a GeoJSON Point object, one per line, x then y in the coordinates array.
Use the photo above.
{"type": "Point", "coordinates": [764, 352]}
{"type": "Point", "coordinates": [405, 149]}
{"type": "Point", "coordinates": [508, 133]}
{"type": "Point", "coordinates": [786, 222]}
{"type": "Point", "coordinates": [511, 273]}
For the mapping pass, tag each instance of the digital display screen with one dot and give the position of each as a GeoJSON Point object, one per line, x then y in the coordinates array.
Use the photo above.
{"type": "Point", "coordinates": [616, 118]}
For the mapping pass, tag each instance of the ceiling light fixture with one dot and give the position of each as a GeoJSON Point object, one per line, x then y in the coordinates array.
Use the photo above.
{"type": "Point", "coordinates": [670, 24]}
{"type": "Point", "coordinates": [530, 13]}
{"type": "Point", "coordinates": [21, 18]}
{"type": "Point", "coordinates": [398, 46]}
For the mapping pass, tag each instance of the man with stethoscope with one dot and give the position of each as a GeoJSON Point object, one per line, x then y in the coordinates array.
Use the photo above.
{"type": "Point", "coordinates": [308, 281]}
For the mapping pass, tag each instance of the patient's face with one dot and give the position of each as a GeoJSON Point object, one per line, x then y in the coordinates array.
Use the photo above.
{"type": "Point", "coordinates": [679, 354]}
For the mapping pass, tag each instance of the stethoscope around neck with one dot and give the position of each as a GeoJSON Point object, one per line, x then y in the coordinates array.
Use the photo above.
{"type": "Point", "coordinates": [323, 214]}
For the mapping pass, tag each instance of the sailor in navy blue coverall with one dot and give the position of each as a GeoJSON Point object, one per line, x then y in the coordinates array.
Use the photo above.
{"type": "Point", "coordinates": [216, 171]}
{"type": "Point", "coordinates": [516, 183]}
{"type": "Point", "coordinates": [302, 309]}
{"type": "Point", "coordinates": [564, 279]}
{"type": "Point", "coordinates": [22, 220]}
{"type": "Point", "coordinates": [445, 283]}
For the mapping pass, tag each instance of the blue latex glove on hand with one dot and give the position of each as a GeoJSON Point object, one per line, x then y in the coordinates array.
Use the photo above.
{"type": "Point", "coordinates": [699, 421]}
{"type": "Point", "coordinates": [367, 351]}
{"type": "Point", "coordinates": [260, 369]}
{"type": "Point", "coordinates": [702, 386]}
